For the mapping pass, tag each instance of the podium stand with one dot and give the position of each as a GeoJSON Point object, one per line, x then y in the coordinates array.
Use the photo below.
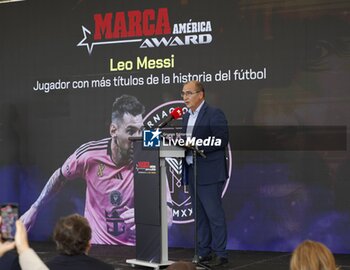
{"type": "Point", "coordinates": [150, 195]}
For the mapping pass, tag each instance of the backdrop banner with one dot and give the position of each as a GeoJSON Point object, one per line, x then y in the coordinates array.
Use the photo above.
{"type": "Point", "coordinates": [279, 70]}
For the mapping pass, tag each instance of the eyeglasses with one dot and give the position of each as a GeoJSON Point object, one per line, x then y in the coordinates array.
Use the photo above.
{"type": "Point", "coordinates": [188, 93]}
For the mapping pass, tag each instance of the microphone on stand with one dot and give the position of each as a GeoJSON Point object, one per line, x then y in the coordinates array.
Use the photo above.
{"type": "Point", "coordinates": [175, 114]}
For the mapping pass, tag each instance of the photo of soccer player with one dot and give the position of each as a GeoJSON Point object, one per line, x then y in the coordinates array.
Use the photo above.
{"type": "Point", "coordinates": [106, 166]}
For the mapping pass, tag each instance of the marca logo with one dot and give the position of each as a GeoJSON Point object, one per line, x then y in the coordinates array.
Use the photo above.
{"type": "Point", "coordinates": [182, 205]}
{"type": "Point", "coordinates": [145, 167]}
{"type": "Point", "coordinates": [150, 28]}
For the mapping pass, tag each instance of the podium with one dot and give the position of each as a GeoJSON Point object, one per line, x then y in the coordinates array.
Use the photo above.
{"type": "Point", "coordinates": [150, 200]}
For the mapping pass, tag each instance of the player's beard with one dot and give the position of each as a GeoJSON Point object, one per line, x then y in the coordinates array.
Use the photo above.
{"type": "Point", "coordinates": [131, 153]}
{"type": "Point", "coordinates": [125, 155]}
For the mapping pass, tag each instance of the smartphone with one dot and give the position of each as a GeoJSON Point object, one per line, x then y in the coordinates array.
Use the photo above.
{"type": "Point", "coordinates": [9, 215]}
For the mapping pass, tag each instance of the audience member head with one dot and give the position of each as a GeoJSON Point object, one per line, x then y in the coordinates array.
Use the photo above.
{"type": "Point", "coordinates": [311, 255]}
{"type": "Point", "coordinates": [72, 235]}
{"type": "Point", "coordinates": [181, 265]}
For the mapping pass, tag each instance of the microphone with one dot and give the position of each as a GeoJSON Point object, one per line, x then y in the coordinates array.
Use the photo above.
{"type": "Point", "coordinates": [175, 114]}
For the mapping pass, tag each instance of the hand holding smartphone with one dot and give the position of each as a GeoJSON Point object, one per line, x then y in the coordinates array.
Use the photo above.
{"type": "Point", "coordinates": [9, 214]}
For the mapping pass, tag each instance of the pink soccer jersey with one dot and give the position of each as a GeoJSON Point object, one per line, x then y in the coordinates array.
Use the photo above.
{"type": "Point", "coordinates": [109, 192]}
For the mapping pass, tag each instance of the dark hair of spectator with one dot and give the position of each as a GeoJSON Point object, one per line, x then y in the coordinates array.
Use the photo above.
{"type": "Point", "coordinates": [72, 235]}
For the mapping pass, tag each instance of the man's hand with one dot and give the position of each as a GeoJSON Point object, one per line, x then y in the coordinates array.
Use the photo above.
{"type": "Point", "coordinates": [21, 238]}
{"type": "Point", "coordinates": [129, 217]}
{"type": "Point", "coordinates": [29, 217]}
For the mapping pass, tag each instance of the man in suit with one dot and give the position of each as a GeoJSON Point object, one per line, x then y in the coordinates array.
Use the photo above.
{"type": "Point", "coordinates": [202, 122]}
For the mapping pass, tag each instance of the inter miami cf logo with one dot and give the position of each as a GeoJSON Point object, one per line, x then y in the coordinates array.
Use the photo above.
{"type": "Point", "coordinates": [182, 205]}
{"type": "Point", "coordinates": [115, 198]}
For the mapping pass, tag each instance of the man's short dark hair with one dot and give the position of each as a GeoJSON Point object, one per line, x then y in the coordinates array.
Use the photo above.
{"type": "Point", "coordinates": [126, 104]}
{"type": "Point", "coordinates": [72, 235]}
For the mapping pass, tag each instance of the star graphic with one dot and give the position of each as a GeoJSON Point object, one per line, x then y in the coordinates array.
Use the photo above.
{"type": "Point", "coordinates": [89, 43]}
{"type": "Point", "coordinates": [86, 32]}
{"type": "Point", "coordinates": [155, 133]}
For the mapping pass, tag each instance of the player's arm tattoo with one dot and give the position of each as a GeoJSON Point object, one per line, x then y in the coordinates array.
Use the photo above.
{"type": "Point", "coordinates": [52, 187]}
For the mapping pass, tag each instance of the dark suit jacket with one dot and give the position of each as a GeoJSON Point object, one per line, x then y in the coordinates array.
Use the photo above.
{"type": "Point", "coordinates": [211, 122]}
{"type": "Point", "coordinates": [65, 262]}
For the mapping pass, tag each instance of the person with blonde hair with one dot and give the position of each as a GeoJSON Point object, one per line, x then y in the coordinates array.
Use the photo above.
{"type": "Point", "coordinates": [312, 255]}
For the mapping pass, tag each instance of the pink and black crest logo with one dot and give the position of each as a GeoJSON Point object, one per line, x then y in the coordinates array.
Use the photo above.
{"type": "Point", "coordinates": [181, 199]}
